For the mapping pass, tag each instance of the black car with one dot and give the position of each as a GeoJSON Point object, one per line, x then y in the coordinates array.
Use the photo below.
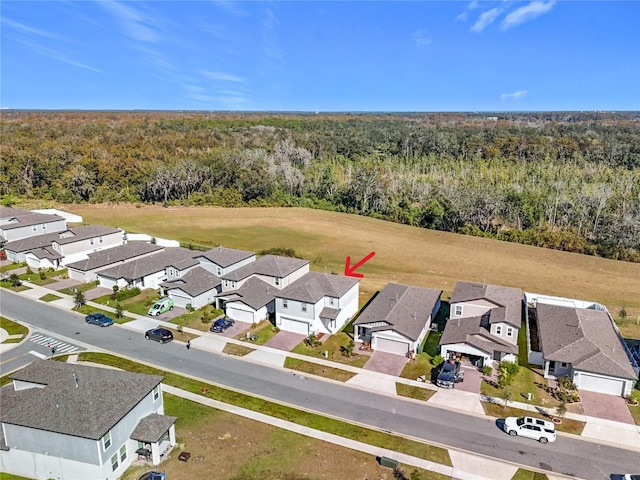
{"type": "Point", "coordinates": [222, 324]}
{"type": "Point", "coordinates": [161, 335]}
{"type": "Point", "coordinates": [449, 374]}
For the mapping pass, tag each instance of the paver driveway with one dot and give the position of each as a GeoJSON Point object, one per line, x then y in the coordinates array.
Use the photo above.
{"type": "Point", "coordinates": [384, 362]}
{"type": "Point", "coordinates": [606, 406]}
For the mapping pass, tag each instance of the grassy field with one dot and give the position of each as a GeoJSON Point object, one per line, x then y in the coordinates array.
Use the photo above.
{"type": "Point", "coordinates": [404, 254]}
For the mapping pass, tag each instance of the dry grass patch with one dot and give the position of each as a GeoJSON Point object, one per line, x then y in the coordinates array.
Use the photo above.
{"type": "Point", "coordinates": [317, 369]}
{"type": "Point", "coordinates": [238, 350]}
{"type": "Point", "coordinates": [404, 254]}
{"type": "Point", "coordinates": [417, 393]}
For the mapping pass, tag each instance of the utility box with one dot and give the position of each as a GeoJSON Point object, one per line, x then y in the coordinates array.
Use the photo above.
{"type": "Point", "coordinates": [388, 462]}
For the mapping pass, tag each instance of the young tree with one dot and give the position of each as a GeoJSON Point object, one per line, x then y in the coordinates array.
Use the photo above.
{"type": "Point", "coordinates": [79, 299]}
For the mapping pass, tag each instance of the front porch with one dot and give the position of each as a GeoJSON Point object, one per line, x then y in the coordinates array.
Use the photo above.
{"type": "Point", "coordinates": [156, 436]}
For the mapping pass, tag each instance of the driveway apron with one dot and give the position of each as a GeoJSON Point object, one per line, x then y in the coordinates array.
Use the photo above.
{"type": "Point", "coordinates": [605, 406]}
{"type": "Point", "coordinates": [384, 362]}
{"type": "Point", "coordinates": [284, 340]}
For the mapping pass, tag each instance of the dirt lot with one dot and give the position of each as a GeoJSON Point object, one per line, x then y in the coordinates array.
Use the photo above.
{"type": "Point", "coordinates": [227, 447]}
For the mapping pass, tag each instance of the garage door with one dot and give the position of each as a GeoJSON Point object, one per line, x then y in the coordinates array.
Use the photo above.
{"type": "Point", "coordinates": [240, 315]}
{"type": "Point", "coordinates": [600, 384]}
{"type": "Point", "coordinates": [391, 346]}
{"type": "Point", "coordinates": [179, 300]}
{"type": "Point", "coordinates": [291, 325]}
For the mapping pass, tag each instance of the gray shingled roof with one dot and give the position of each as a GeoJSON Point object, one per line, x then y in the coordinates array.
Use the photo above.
{"type": "Point", "coordinates": [405, 309]}
{"type": "Point", "coordinates": [195, 282]}
{"type": "Point", "coordinates": [152, 427]}
{"type": "Point", "coordinates": [269, 265]}
{"type": "Point", "coordinates": [313, 286]}
{"type": "Point", "coordinates": [226, 257]}
{"type": "Point", "coordinates": [508, 297]}
{"type": "Point", "coordinates": [254, 292]}
{"type": "Point", "coordinates": [117, 254]}
{"type": "Point", "coordinates": [64, 237]}
{"type": "Point", "coordinates": [148, 265]}
{"type": "Point", "coordinates": [583, 337]}
{"type": "Point", "coordinates": [46, 252]}
{"type": "Point", "coordinates": [330, 313]}
{"type": "Point", "coordinates": [25, 218]}
{"type": "Point", "coordinates": [468, 330]}
{"type": "Point", "coordinates": [102, 398]}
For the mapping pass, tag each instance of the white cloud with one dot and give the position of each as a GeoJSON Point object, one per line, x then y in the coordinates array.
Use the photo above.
{"type": "Point", "coordinates": [270, 47]}
{"type": "Point", "coordinates": [420, 38]}
{"type": "Point", "coordinates": [136, 24]}
{"type": "Point", "coordinates": [524, 14]}
{"type": "Point", "coordinates": [27, 30]}
{"type": "Point", "coordinates": [225, 77]}
{"type": "Point", "coordinates": [486, 19]}
{"type": "Point", "coordinates": [463, 16]}
{"type": "Point", "coordinates": [514, 96]}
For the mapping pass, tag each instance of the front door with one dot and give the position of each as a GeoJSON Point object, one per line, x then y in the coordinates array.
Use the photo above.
{"type": "Point", "coordinates": [552, 368]}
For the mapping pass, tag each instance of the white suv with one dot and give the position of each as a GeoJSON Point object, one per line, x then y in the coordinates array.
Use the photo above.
{"type": "Point", "coordinates": [536, 428]}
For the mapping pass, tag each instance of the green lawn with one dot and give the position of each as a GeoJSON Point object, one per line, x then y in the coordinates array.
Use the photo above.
{"type": "Point", "coordinates": [523, 474]}
{"type": "Point", "coordinates": [237, 350]}
{"type": "Point", "coordinates": [422, 365]}
{"type": "Point", "coordinates": [417, 393]}
{"type": "Point", "coordinates": [8, 476]}
{"type": "Point", "coordinates": [34, 277]}
{"type": "Point", "coordinates": [263, 330]}
{"type": "Point", "coordinates": [194, 319]}
{"type": "Point", "coordinates": [139, 304]}
{"type": "Point", "coordinates": [333, 346]}
{"type": "Point", "coordinates": [635, 409]}
{"type": "Point", "coordinates": [13, 328]}
{"type": "Point", "coordinates": [6, 284]}
{"type": "Point", "coordinates": [317, 369]}
{"type": "Point", "coordinates": [11, 266]}
{"type": "Point", "coordinates": [319, 422]}
{"type": "Point", "coordinates": [83, 287]}
{"type": "Point", "coordinates": [49, 297]}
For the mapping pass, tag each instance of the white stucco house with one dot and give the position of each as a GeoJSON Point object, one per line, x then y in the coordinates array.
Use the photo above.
{"type": "Point", "coordinates": [483, 325]}
{"type": "Point", "coordinates": [86, 270]}
{"type": "Point", "coordinates": [317, 303]}
{"type": "Point", "coordinates": [248, 292]}
{"type": "Point", "coordinates": [76, 422]}
{"type": "Point", "coordinates": [60, 248]}
{"type": "Point", "coordinates": [16, 224]}
{"type": "Point", "coordinates": [579, 339]}
{"type": "Point", "coordinates": [197, 287]}
{"type": "Point", "coordinates": [398, 319]}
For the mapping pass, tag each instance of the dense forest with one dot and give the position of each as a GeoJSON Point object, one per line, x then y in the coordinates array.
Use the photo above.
{"type": "Point", "coordinates": [563, 180]}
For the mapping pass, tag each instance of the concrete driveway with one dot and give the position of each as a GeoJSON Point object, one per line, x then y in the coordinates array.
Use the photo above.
{"type": "Point", "coordinates": [384, 362]}
{"type": "Point", "coordinates": [285, 340]}
{"type": "Point", "coordinates": [605, 406]}
{"type": "Point", "coordinates": [98, 292]}
{"type": "Point", "coordinates": [63, 283]}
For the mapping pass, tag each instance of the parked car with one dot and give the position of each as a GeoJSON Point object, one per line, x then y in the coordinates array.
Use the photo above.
{"type": "Point", "coordinates": [222, 324]}
{"type": "Point", "coordinates": [625, 476]}
{"type": "Point", "coordinates": [153, 476]}
{"type": "Point", "coordinates": [163, 305]}
{"type": "Point", "coordinates": [541, 430]}
{"type": "Point", "coordinates": [98, 319]}
{"type": "Point", "coordinates": [161, 335]}
{"type": "Point", "coordinates": [449, 375]}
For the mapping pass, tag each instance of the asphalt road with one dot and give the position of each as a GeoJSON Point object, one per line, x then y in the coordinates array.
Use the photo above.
{"type": "Point", "coordinates": [569, 456]}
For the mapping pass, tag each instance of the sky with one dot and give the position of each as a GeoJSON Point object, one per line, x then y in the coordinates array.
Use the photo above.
{"type": "Point", "coordinates": [324, 56]}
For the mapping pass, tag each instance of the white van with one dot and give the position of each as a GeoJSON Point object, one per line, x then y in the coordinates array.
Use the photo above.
{"type": "Point", "coordinates": [530, 427]}
{"type": "Point", "coordinates": [163, 305]}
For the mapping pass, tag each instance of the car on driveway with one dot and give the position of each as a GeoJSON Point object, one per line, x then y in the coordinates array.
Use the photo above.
{"type": "Point", "coordinates": [541, 430]}
{"type": "Point", "coordinates": [98, 319]}
{"type": "Point", "coordinates": [222, 324]}
{"type": "Point", "coordinates": [449, 374]}
{"type": "Point", "coordinates": [161, 335]}
{"type": "Point", "coordinates": [162, 305]}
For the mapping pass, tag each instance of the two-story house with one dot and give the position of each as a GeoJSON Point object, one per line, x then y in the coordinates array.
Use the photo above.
{"type": "Point", "coordinates": [248, 292]}
{"type": "Point", "coordinates": [76, 422]}
{"type": "Point", "coordinates": [317, 303]}
{"type": "Point", "coordinates": [397, 319]}
{"type": "Point", "coordinates": [16, 224]}
{"type": "Point", "coordinates": [483, 325]}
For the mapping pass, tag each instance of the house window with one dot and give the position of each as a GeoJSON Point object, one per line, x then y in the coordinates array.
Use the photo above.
{"type": "Point", "coordinates": [457, 310]}
{"type": "Point", "coordinates": [114, 462]}
{"type": "Point", "coordinates": [564, 365]}
{"type": "Point", "coordinates": [303, 307]}
{"type": "Point", "coordinates": [156, 393]}
{"type": "Point", "coordinates": [509, 332]}
{"type": "Point", "coordinates": [123, 453]}
{"type": "Point", "coordinates": [277, 282]}
{"type": "Point", "coordinates": [330, 301]}
{"type": "Point", "coordinates": [498, 330]}
{"type": "Point", "coordinates": [285, 303]}
{"type": "Point", "coordinates": [106, 440]}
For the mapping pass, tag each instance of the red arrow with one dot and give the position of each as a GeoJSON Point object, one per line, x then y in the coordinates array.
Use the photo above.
{"type": "Point", "coordinates": [350, 271]}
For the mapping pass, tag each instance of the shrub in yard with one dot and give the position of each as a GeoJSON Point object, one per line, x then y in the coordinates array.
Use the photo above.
{"type": "Point", "coordinates": [566, 383]}
{"type": "Point", "coordinates": [347, 350]}
{"type": "Point", "coordinates": [312, 340]}
{"type": "Point", "coordinates": [42, 274]}
{"type": "Point", "coordinates": [437, 360]}
{"type": "Point", "coordinates": [125, 293]}
{"type": "Point", "coordinates": [118, 310]}
{"type": "Point", "coordinates": [14, 280]}
{"type": "Point", "coordinates": [29, 271]}
{"type": "Point", "coordinates": [189, 307]}
{"type": "Point", "coordinates": [487, 371]}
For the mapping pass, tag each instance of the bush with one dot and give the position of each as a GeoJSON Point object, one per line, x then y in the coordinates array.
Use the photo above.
{"type": "Point", "coordinates": [29, 271]}
{"type": "Point", "coordinates": [312, 340]}
{"type": "Point", "coordinates": [125, 293]}
{"type": "Point", "coordinates": [487, 370]}
{"type": "Point", "coordinates": [347, 351]}
{"type": "Point", "coordinates": [189, 307]}
{"type": "Point", "coordinates": [42, 273]}
{"type": "Point", "coordinates": [437, 360]}
{"type": "Point", "coordinates": [118, 310]}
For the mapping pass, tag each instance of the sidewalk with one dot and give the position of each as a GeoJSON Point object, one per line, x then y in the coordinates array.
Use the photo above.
{"type": "Point", "coordinates": [598, 430]}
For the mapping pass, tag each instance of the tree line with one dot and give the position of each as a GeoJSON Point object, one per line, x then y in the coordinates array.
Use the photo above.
{"type": "Point", "coordinates": [562, 180]}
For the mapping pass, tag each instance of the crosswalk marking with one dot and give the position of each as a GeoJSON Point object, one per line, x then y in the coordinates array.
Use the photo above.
{"type": "Point", "coordinates": [39, 355]}
{"type": "Point", "coordinates": [50, 342]}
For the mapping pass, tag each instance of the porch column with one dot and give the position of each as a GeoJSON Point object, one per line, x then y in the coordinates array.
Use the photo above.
{"type": "Point", "coordinates": [155, 454]}
{"type": "Point", "coordinates": [172, 435]}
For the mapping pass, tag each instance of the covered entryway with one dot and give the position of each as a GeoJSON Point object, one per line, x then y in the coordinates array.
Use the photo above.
{"type": "Point", "coordinates": [595, 383]}
{"type": "Point", "coordinates": [390, 346]}
{"type": "Point", "coordinates": [294, 326]}
{"type": "Point", "coordinates": [239, 314]}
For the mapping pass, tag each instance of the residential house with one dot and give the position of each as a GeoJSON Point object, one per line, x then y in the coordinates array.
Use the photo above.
{"type": "Point", "coordinates": [60, 248]}
{"type": "Point", "coordinates": [248, 292]}
{"type": "Point", "coordinates": [484, 323]}
{"type": "Point", "coordinates": [76, 422]}
{"type": "Point", "coordinates": [398, 319]}
{"type": "Point", "coordinates": [196, 288]}
{"type": "Point", "coordinates": [86, 270]}
{"type": "Point", "coordinates": [580, 340]}
{"type": "Point", "coordinates": [317, 303]}
{"type": "Point", "coordinates": [149, 271]}
{"type": "Point", "coordinates": [221, 260]}
{"type": "Point", "coordinates": [17, 224]}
